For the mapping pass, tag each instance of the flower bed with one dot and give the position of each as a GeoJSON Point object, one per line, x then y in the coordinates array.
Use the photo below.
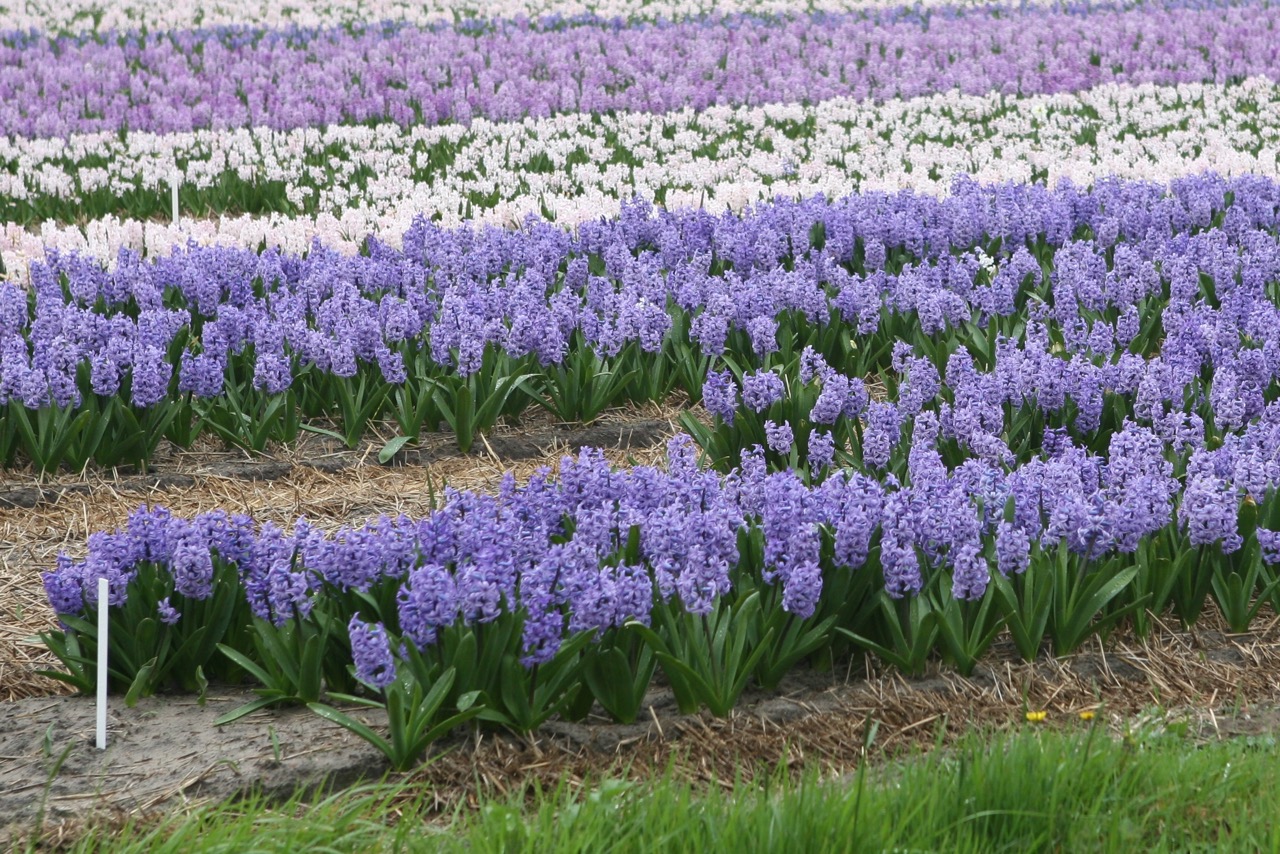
{"type": "Point", "coordinates": [230, 77]}
{"type": "Point", "coordinates": [548, 598]}
{"type": "Point", "coordinates": [980, 306]}
{"type": "Point", "coordinates": [464, 326]}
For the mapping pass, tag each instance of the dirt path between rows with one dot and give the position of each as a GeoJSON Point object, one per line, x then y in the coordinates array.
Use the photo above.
{"type": "Point", "coordinates": [323, 454]}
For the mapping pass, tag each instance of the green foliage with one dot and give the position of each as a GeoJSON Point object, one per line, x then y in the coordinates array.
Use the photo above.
{"type": "Point", "coordinates": [583, 385]}
{"type": "Point", "coordinates": [903, 636]}
{"type": "Point", "coordinates": [144, 653]}
{"type": "Point", "coordinates": [707, 658]}
{"type": "Point", "coordinates": [473, 404]}
{"type": "Point", "coordinates": [617, 670]}
{"type": "Point", "coordinates": [416, 715]}
{"type": "Point", "coordinates": [488, 659]}
{"type": "Point", "coordinates": [288, 667]}
{"type": "Point", "coordinates": [966, 629]}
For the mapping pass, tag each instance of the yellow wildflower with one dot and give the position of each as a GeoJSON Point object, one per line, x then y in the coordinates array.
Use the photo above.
{"type": "Point", "coordinates": [1036, 717]}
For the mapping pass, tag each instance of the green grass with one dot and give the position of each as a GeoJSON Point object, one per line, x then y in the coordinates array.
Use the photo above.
{"type": "Point", "coordinates": [1035, 790]}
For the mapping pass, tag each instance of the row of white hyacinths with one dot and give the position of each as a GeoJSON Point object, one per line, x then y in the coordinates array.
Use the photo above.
{"type": "Point", "coordinates": [723, 158]}
{"type": "Point", "coordinates": [76, 16]}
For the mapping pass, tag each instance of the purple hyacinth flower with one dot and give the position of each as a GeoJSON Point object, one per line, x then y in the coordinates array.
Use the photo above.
{"type": "Point", "coordinates": [371, 652]}
{"type": "Point", "coordinates": [1269, 545]}
{"type": "Point", "coordinates": [970, 572]}
{"type": "Point", "coordinates": [192, 566]}
{"type": "Point", "coordinates": [287, 593]}
{"type": "Point", "coordinates": [779, 436]}
{"type": "Point", "coordinates": [720, 395]}
{"type": "Point", "coordinates": [822, 450]}
{"type": "Point", "coordinates": [64, 586]}
{"type": "Point", "coordinates": [762, 389]}
{"type": "Point", "coordinates": [802, 589]}
{"type": "Point", "coordinates": [169, 615]}
{"type": "Point", "coordinates": [1013, 549]}
{"type": "Point", "coordinates": [427, 601]}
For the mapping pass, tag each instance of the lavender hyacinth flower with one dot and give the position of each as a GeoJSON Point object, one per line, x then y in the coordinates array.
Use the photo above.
{"type": "Point", "coordinates": [427, 601]}
{"type": "Point", "coordinates": [167, 613]}
{"type": "Point", "coordinates": [802, 589]}
{"type": "Point", "coordinates": [751, 477]}
{"type": "Point", "coordinates": [822, 450]}
{"type": "Point", "coordinates": [203, 375]}
{"type": "Point", "coordinates": [151, 372]}
{"type": "Point", "coordinates": [970, 573]}
{"type": "Point", "coordinates": [287, 593]}
{"type": "Point", "coordinates": [883, 431]}
{"type": "Point", "coordinates": [853, 506]}
{"type": "Point", "coordinates": [813, 366]}
{"type": "Point", "coordinates": [192, 566]}
{"type": "Point", "coordinates": [1269, 545]}
{"type": "Point", "coordinates": [1209, 510]}
{"type": "Point", "coordinates": [898, 556]}
{"type": "Point", "coordinates": [540, 598]}
{"type": "Point", "coordinates": [832, 401]}
{"type": "Point", "coordinates": [779, 436]}
{"type": "Point", "coordinates": [720, 395]}
{"type": "Point", "coordinates": [104, 375]}
{"type": "Point", "coordinates": [371, 651]}
{"type": "Point", "coordinates": [633, 594]}
{"type": "Point", "coordinates": [764, 335]}
{"type": "Point", "coordinates": [64, 587]}
{"type": "Point", "coordinates": [762, 389]}
{"type": "Point", "coordinates": [1013, 549]}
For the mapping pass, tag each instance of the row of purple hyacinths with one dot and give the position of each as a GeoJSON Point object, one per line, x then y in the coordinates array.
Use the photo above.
{"type": "Point", "coordinates": [1096, 502]}
{"type": "Point", "coordinates": [550, 551]}
{"type": "Point", "coordinates": [181, 81]}
{"type": "Point", "coordinates": [896, 267]}
{"type": "Point", "coordinates": [1197, 424]}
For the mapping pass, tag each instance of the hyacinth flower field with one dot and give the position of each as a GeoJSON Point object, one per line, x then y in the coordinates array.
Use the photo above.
{"type": "Point", "coordinates": [963, 321]}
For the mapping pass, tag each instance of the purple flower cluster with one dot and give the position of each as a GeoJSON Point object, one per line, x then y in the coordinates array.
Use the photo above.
{"type": "Point", "coordinates": [371, 650]}
{"type": "Point", "coordinates": [841, 396]}
{"type": "Point", "coordinates": [779, 436]}
{"type": "Point", "coordinates": [289, 78]}
{"type": "Point", "coordinates": [762, 389]}
{"type": "Point", "coordinates": [822, 450]}
{"type": "Point", "coordinates": [720, 395]}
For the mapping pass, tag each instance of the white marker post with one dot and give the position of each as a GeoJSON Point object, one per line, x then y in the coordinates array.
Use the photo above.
{"type": "Point", "coordinates": [173, 195]}
{"type": "Point", "coordinates": [103, 595]}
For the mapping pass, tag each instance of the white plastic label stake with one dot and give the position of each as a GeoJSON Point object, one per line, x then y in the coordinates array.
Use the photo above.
{"type": "Point", "coordinates": [173, 194]}
{"type": "Point", "coordinates": [103, 595]}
